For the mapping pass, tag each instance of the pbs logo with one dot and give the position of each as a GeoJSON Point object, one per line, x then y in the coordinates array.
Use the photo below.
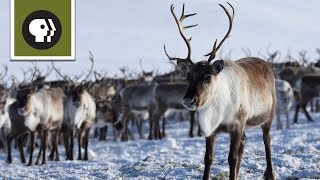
{"type": "Point", "coordinates": [42, 29]}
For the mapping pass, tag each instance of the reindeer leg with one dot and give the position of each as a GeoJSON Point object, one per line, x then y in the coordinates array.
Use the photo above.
{"type": "Point", "coordinates": [269, 173]}
{"type": "Point", "coordinates": [44, 146]}
{"type": "Point", "coordinates": [279, 123]}
{"type": "Point", "coordinates": [9, 140]}
{"type": "Point", "coordinates": [157, 129]}
{"type": "Point", "coordinates": [51, 156]}
{"type": "Point", "coordinates": [56, 139]}
{"type": "Point", "coordinates": [39, 158]}
{"type": "Point", "coordinates": [151, 126]}
{"type": "Point", "coordinates": [86, 143]}
{"type": "Point", "coordinates": [287, 116]}
{"type": "Point", "coordinates": [96, 132]}
{"type": "Point", "coordinates": [139, 127]}
{"type": "Point", "coordinates": [163, 127]}
{"type": "Point", "coordinates": [80, 140]}
{"type": "Point", "coordinates": [233, 158]}
{"type": "Point", "coordinates": [295, 121]}
{"type": "Point", "coordinates": [240, 152]}
{"type": "Point", "coordinates": [100, 134]}
{"type": "Point", "coordinates": [20, 140]}
{"type": "Point", "coordinates": [191, 123]}
{"type": "Point", "coordinates": [105, 130]}
{"type": "Point", "coordinates": [124, 136]}
{"type": "Point", "coordinates": [70, 154]}
{"type": "Point", "coordinates": [208, 158]}
{"type": "Point", "coordinates": [307, 114]}
{"type": "Point", "coordinates": [32, 146]}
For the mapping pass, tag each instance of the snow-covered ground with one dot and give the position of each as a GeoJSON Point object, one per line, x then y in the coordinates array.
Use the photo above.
{"type": "Point", "coordinates": [295, 154]}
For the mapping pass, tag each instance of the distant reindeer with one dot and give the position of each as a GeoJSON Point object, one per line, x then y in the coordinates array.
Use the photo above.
{"type": "Point", "coordinates": [42, 110]}
{"type": "Point", "coordinates": [285, 99]}
{"type": "Point", "coordinates": [310, 88]}
{"type": "Point", "coordinates": [230, 96]}
{"type": "Point", "coordinates": [138, 98]}
{"type": "Point", "coordinates": [169, 96]}
{"type": "Point", "coordinates": [79, 112]}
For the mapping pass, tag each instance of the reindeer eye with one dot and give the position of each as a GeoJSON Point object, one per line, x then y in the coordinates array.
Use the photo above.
{"type": "Point", "coordinates": [207, 77]}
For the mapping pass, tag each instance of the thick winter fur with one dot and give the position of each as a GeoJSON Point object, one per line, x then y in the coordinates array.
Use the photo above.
{"type": "Point", "coordinates": [285, 100]}
{"type": "Point", "coordinates": [84, 113]}
{"type": "Point", "coordinates": [243, 91]}
{"type": "Point", "coordinates": [310, 88]}
{"type": "Point", "coordinates": [42, 111]}
{"type": "Point", "coordinates": [137, 98]}
{"type": "Point", "coordinates": [169, 96]}
{"type": "Point", "coordinates": [45, 107]}
{"type": "Point", "coordinates": [4, 116]}
{"type": "Point", "coordinates": [230, 97]}
{"type": "Point", "coordinates": [80, 113]}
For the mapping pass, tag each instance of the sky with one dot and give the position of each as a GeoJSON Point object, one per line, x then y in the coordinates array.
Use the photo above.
{"type": "Point", "coordinates": [121, 32]}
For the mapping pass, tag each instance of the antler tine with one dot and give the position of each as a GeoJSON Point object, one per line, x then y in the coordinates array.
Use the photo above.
{"type": "Point", "coordinates": [2, 76]}
{"type": "Point", "coordinates": [35, 71]}
{"type": "Point", "coordinates": [181, 28]}
{"type": "Point", "coordinates": [216, 48]}
{"type": "Point", "coordinates": [59, 73]}
{"type": "Point", "coordinates": [92, 62]}
{"type": "Point", "coordinates": [14, 81]}
{"type": "Point", "coordinates": [140, 63]}
{"type": "Point", "coordinates": [49, 71]}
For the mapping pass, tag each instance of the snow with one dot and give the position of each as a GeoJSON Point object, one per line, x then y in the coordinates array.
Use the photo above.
{"type": "Point", "coordinates": [295, 154]}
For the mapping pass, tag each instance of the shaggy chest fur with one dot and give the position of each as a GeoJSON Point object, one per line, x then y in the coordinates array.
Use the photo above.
{"type": "Point", "coordinates": [243, 94]}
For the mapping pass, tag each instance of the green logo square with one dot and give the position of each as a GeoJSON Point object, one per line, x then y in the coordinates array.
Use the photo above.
{"type": "Point", "coordinates": [42, 30]}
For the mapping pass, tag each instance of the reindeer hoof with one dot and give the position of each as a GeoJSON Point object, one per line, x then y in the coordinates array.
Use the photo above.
{"type": "Point", "coordinates": [57, 159]}
{"type": "Point", "coordinates": [85, 158]}
{"type": "Point", "coordinates": [44, 162]}
{"type": "Point", "coordinates": [9, 161]}
{"type": "Point", "coordinates": [269, 175]}
{"type": "Point", "coordinates": [191, 135]}
{"type": "Point", "coordinates": [163, 135]}
{"type": "Point", "coordinates": [29, 164]}
{"type": "Point", "coordinates": [23, 161]}
{"type": "Point", "coordinates": [51, 158]}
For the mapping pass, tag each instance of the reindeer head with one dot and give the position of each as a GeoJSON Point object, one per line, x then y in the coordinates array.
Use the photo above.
{"type": "Point", "coordinates": [24, 96]}
{"type": "Point", "coordinates": [74, 91]}
{"type": "Point", "coordinates": [24, 93]}
{"type": "Point", "coordinates": [201, 76]}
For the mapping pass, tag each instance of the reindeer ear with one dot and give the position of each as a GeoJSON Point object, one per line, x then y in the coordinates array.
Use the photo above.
{"type": "Point", "coordinates": [218, 66]}
{"type": "Point", "coordinates": [183, 65]}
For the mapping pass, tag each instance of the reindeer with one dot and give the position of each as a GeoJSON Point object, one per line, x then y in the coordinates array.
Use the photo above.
{"type": "Point", "coordinates": [285, 99]}
{"type": "Point", "coordinates": [138, 98]}
{"type": "Point", "coordinates": [79, 112]}
{"type": "Point", "coordinates": [106, 114]}
{"type": "Point", "coordinates": [169, 96]}
{"type": "Point", "coordinates": [310, 88]}
{"type": "Point", "coordinates": [230, 96]}
{"type": "Point", "coordinates": [43, 111]}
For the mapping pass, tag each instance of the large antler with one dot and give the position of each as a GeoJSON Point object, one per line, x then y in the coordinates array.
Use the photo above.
{"type": "Point", "coordinates": [140, 63]}
{"type": "Point", "coordinates": [4, 74]}
{"type": "Point", "coordinates": [181, 28]}
{"type": "Point", "coordinates": [35, 72]}
{"type": "Point", "coordinates": [92, 62]}
{"type": "Point", "coordinates": [215, 48]}
{"type": "Point", "coordinates": [59, 73]}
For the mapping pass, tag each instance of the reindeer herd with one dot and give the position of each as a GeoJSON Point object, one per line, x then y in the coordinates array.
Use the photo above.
{"type": "Point", "coordinates": [220, 96]}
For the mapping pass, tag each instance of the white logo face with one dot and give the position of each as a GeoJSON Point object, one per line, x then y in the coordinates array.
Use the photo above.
{"type": "Point", "coordinates": [40, 29]}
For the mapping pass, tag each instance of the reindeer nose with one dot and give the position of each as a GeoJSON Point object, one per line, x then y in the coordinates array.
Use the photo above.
{"type": "Point", "coordinates": [188, 101]}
